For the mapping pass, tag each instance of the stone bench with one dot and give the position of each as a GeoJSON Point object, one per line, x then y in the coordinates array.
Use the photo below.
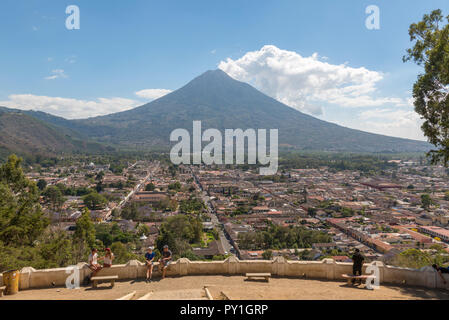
{"type": "Point", "coordinates": [95, 280]}
{"type": "Point", "coordinates": [266, 276]}
{"type": "Point", "coordinates": [2, 289]}
{"type": "Point", "coordinates": [351, 277]}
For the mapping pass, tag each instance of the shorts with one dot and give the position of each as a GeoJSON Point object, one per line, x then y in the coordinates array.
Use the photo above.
{"type": "Point", "coordinates": [105, 265]}
{"type": "Point", "coordinates": [95, 267]}
{"type": "Point", "coordinates": [149, 263]}
{"type": "Point", "coordinates": [165, 263]}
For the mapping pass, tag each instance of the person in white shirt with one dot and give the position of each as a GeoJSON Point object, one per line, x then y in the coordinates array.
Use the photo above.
{"type": "Point", "coordinates": [107, 260]}
{"type": "Point", "coordinates": [93, 262]}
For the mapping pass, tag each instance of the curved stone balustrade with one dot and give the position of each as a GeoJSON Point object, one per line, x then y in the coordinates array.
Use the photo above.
{"type": "Point", "coordinates": [326, 269]}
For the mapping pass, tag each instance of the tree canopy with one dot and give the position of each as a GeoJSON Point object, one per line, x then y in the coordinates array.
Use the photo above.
{"type": "Point", "coordinates": [95, 201]}
{"type": "Point", "coordinates": [21, 217]}
{"type": "Point", "coordinates": [431, 90]}
{"type": "Point", "coordinates": [178, 232]}
{"type": "Point", "coordinates": [277, 237]}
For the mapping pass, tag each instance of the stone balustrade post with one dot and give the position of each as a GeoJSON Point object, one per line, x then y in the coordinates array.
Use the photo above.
{"type": "Point", "coordinates": [232, 265]}
{"type": "Point", "coordinates": [25, 277]}
{"type": "Point", "coordinates": [279, 266]}
{"type": "Point", "coordinates": [330, 268]}
{"type": "Point", "coordinates": [182, 266]}
{"type": "Point", "coordinates": [133, 266]}
{"type": "Point", "coordinates": [431, 277]}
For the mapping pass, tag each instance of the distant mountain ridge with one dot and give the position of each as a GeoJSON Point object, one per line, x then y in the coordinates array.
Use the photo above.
{"type": "Point", "coordinates": [222, 102]}
{"type": "Point", "coordinates": [25, 134]}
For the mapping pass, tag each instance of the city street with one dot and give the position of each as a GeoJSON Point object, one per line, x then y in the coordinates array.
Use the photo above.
{"type": "Point", "coordinates": [226, 245]}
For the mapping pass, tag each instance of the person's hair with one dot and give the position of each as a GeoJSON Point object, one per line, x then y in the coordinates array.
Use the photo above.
{"type": "Point", "coordinates": [94, 249]}
{"type": "Point", "coordinates": [357, 250]}
{"type": "Point", "coordinates": [434, 266]}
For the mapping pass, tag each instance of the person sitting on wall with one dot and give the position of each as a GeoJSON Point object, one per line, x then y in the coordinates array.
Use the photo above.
{"type": "Point", "coordinates": [357, 258]}
{"type": "Point", "coordinates": [165, 260]}
{"type": "Point", "coordinates": [440, 271]}
{"type": "Point", "coordinates": [107, 260]}
{"type": "Point", "coordinates": [149, 258]}
{"type": "Point", "coordinates": [93, 262]}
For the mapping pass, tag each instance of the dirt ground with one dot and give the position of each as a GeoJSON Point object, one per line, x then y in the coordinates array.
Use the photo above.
{"type": "Point", "coordinates": [234, 288]}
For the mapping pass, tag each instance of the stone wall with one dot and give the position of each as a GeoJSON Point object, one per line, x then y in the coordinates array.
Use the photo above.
{"type": "Point", "coordinates": [326, 269]}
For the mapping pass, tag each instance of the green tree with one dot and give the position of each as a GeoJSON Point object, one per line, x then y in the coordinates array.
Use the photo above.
{"type": "Point", "coordinates": [267, 255]}
{"type": "Point", "coordinates": [192, 205]}
{"type": "Point", "coordinates": [99, 177]}
{"type": "Point", "coordinates": [84, 235]}
{"type": "Point", "coordinates": [413, 258]}
{"type": "Point", "coordinates": [123, 253]}
{"type": "Point", "coordinates": [53, 195]}
{"type": "Point", "coordinates": [108, 233]}
{"type": "Point", "coordinates": [131, 211]}
{"type": "Point", "coordinates": [41, 184]}
{"type": "Point", "coordinates": [143, 229]}
{"type": "Point", "coordinates": [179, 232]}
{"type": "Point", "coordinates": [431, 90]}
{"type": "Point", "coordinates": [150, 187]}
{"type": "Point", "coordinates": [311, 211]}
{"type": "Point", "coordinates": [426, 201]}
{"type": "Point", "coordinates": [277, 237]}
{"type": "Point", "coordinates": [115, 213]}
{"type": "Point", "coordinates": [175, 186]}
{"type": "Point", "coordinates": [95, 201]}
{"type": "Point", "coordinates": [55, 248]}
{"type": "Point", "coordinates": [22, 220]}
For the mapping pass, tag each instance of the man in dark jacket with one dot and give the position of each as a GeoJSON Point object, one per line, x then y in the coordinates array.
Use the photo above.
{"type": "Point", "coordinates": [357, 258]}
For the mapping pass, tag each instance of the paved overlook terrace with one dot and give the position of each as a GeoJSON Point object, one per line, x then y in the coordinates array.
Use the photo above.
{"type": "Point", "coordinates": [187, 280]}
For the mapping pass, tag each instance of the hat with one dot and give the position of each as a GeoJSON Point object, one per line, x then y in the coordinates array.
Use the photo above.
{"type": "Point", "coordinates": [107, 249]}
{"type": "Point", "coordinates": [165, 246]}
{"type": "Point", "coordinates": [150, 248]}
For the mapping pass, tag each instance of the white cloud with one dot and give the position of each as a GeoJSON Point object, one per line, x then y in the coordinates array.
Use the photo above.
{"type": "Point", "coordinates": [403, 123]}
{"type": "Point", "coordinates": [75, 108]}
{"type": "Point", "coordinates": [71, 59]}
{"type": "Point", "coordinates": [152, 94]}
{"type": "Point", "coordinates": [56, 74]}
{"type": "Point", "coordinates": [306, 83]}
{"type": "Point", "coordinates": [69, 108]}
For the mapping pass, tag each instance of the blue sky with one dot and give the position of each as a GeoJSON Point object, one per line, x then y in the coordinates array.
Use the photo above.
{"type": "Point", "coordinates": [124, 47]}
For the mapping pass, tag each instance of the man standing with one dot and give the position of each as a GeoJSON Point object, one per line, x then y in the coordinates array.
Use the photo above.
{"type": "Point", "coordinates": [165, 260]}
{"type": "Point", "coordinates": [357, 258]}
{"type": "Point", "coordinates": [149, 257]}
